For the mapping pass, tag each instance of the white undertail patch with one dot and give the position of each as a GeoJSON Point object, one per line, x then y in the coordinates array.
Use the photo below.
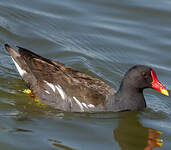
{"type": "Point", "coordinates": [79, 104]}
{"type": "Point", "coordinates": [20, 70]}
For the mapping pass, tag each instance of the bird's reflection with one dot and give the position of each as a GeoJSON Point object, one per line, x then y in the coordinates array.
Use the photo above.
{"type": "Point", "coordinates": [131, 135]}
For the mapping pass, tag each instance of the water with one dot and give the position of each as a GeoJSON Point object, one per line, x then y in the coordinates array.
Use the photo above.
{"type": "Point", "coordinates": [102, 38]}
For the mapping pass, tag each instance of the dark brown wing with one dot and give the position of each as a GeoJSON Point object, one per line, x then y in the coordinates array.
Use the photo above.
{"type": "Point", "coordinates": [75, 84]}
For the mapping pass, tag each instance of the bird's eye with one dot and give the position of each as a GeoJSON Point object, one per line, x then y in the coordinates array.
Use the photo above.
{"type": "Point", "coordinates": [144, 74]}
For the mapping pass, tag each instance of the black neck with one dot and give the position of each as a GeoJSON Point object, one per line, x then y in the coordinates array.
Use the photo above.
{"type": "Point", "coordinates": [132, 97]}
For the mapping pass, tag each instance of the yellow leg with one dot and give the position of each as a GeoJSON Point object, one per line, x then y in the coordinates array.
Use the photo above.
{"type": "Point", "coordinates": [28, 91]}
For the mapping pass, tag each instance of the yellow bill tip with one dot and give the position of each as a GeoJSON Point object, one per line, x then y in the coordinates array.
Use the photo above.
{"type": "Point", "coordinates": [159, 142]}
{"type": "Point", "coordinates": [165, 92]}
{"type": "Point", "coordinates": [159, 132]}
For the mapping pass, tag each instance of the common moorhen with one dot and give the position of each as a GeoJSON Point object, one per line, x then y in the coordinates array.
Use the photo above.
{"type": "Point", "coordinates": [66, 89]}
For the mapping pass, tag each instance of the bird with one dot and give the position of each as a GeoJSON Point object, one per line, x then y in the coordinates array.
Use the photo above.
{"type": "Point", "coordinates": [67, 89]}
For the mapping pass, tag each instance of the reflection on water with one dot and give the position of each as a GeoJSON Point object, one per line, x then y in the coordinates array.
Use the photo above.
{"type": "Point", "coordinates": [102, 38]}
{"type": "Point", "coordinates": [153, 139]}
{"type": "Point", "coordinates": [131, 135]}
{"type": "Point", "coordinates": [59, 145]}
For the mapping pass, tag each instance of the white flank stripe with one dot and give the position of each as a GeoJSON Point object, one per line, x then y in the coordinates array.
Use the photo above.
{"type": "Point", "coordinates": [50, 85]}
{"type": "Point", "coordinates": [85, 105]}
{"type": "Point", "coordinates": [47, 92]}
{"type": "Point", "coordinates": [91, 105]}
{"type": "Point", "coordinates": [61, 92]}
{"type": "Point", "coordinates": [79, 104]}
{"type": "Point", "coordinates": [21, 71]}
